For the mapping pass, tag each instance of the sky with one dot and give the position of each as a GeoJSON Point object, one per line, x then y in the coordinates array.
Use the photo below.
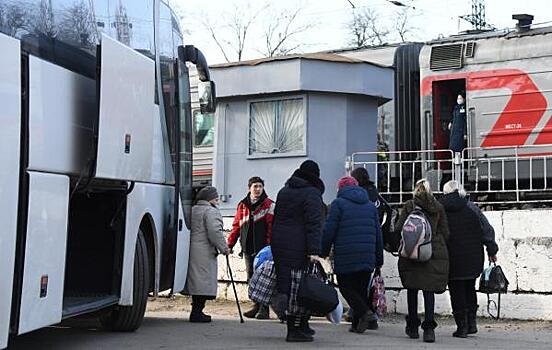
{"type": "Point", "coordinates": [429, 18]}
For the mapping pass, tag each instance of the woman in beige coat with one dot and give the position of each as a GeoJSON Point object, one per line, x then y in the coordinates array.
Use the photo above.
{"type": "Point", "coordinates": [206, 242]}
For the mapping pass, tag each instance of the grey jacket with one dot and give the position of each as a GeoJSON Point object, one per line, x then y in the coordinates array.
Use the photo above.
{"type": "Point", "coordinates": [206, 241]}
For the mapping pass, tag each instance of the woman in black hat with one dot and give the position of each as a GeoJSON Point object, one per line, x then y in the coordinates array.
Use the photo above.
{"type": "Point", "coordinates": [206, 242]}
{"type": "Point", "coordinates": [296, 239]}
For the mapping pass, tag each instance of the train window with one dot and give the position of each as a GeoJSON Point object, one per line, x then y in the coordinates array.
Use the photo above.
{"type": "Point", "coordinates": [277, 127]}
{"type": "Point", "coordinates": [204, 129]}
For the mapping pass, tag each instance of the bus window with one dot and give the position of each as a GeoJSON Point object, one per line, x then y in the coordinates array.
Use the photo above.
{"type": "Point", "coordinates": [131, 22]}
{"type": "Point", "coordinates": [204, 129]}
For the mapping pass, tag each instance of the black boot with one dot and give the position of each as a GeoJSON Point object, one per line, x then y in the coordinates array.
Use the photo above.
{"type": "Point", "coordinates": [294, 332]}
{"type": "Point", "coordinates": [429, 331]}
{"type": "Point", "coordinates": [472, 320]}
{"type": "Point", "coordinates": [461, 320]}
{"type": "Point", "coordinates": [251, 313]}
{"type": "Point", "coordinates": [263, 313]}
{"type": "Point", "coordinates": [305, 326]}
{"type": "Point", "coordinates": [197, 315]}
{"type": "Point", "coordinates": [364, 321]}
{"type": "Point", "coordinates": [412, 327]}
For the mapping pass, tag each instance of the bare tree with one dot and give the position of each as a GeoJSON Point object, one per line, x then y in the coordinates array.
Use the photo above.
{"type": "Point", "coordinates": [365, 28]}
{"type": "Point", "coordinates": [280, 32]}
{"type": "Point", "coordinates": [78, 25]}
{"type": "Point", "coordinates": [230, 33]}
{"type": "Point", "coordinates": [14, 19]}
{"type": "Point", "coordinates": [44, 22]}
{"type": "Point", "coordinates": [402, 25]}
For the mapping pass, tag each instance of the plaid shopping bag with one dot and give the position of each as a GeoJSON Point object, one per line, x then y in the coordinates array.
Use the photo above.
{"type": "Point", "coordinates": [262, 285]}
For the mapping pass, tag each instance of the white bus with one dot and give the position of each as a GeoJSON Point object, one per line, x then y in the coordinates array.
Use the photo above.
{"type": "Point", "coordinates": [96, 163]}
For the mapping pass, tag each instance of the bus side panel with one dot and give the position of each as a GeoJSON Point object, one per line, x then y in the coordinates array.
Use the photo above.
{"type": "Point", "coordinates": [145, 199]}
{"type": "Point", "coordinates": [45, 251]}
{"type": "Point", "coordinates": [61, 119]}
{"type": "Point", "coordinates": [10, 132]}
{"type": "Point", "coordinates": [127, 96]}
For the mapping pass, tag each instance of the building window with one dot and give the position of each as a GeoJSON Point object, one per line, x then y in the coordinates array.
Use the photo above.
{"type": "Point", "coordinates": [204, 129]}
{"type": "Point", "coordinates": [277, 128]}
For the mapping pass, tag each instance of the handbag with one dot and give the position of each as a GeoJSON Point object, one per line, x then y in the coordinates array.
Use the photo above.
{"type": "Point", "coordinates": [493, 281]}
{"type": "Point", "coordinates": [315, 293]}
{"type": "Point", "coordinates": [377, 294]}
{"type": "Point", "coordinates": [262, 285]}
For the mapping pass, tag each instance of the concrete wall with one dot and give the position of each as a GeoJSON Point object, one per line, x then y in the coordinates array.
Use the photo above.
{"type": "Point", "coordinates": [337, 125]}
{"type": "Point", "coordinates": [525, 241]}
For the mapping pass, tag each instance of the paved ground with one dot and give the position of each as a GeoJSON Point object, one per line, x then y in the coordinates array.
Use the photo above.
{"type": "Point", "coordinates": [165, 327]}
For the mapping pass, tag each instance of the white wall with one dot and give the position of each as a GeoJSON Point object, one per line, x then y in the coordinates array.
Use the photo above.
{"type": "Point", "coordinates": [525, 242]}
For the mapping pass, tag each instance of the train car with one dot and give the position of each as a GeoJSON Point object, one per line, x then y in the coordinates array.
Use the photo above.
{"type": "Point", "coordinates": [507, 79]}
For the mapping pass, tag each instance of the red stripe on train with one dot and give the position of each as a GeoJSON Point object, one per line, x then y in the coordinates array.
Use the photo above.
{"type": "Point", "coordinates": [525, 108]}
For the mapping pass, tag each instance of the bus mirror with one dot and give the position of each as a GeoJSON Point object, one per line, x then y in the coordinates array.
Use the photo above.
{"type": "Point", "coordinates": [207, 96]}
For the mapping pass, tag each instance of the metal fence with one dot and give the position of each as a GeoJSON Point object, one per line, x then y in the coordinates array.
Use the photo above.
{"type": "Point", "coordinates": [502, 175]}
{"type": "Point", "coordinates": [497, 175]}
{"type": "Point", "coordinates": [395, 173]}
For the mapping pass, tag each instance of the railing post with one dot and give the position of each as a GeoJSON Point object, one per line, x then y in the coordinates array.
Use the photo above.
{"type": "Point", "coordinates": [349, 165]}
{"type": "Point", "coordinates": [457, 160]}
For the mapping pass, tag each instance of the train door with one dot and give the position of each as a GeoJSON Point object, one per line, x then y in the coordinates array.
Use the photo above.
{"type": "Point", "coordinates": [444, 93]}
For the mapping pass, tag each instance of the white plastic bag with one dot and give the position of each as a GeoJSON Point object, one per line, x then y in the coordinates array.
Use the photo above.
{"type": "Point", "coordinates": [335, 316]}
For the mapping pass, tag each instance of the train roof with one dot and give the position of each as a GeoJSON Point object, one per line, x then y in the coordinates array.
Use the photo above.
{"type": "Point", "coordinates": [491, 34]}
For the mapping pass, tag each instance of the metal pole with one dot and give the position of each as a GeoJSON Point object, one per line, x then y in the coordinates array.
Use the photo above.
{"type": "Point", "coordinates": [234, 288]}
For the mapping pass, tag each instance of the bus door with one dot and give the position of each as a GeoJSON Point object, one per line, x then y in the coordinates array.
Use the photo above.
{"type": "Point", "coordinates": [10, 115]}
{"type": "Point", "coordinates": [183, 160]}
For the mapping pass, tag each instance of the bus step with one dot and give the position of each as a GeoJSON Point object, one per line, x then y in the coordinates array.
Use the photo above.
{"type": "Point", "coordinates": [78, 305]}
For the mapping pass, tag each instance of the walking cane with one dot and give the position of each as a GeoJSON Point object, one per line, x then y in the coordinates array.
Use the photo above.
{"type": "Point", "coordinates": [234, 287]}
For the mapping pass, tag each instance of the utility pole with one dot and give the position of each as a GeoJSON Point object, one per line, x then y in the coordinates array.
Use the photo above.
{"type": "Point", "coordinates": [477, 17]}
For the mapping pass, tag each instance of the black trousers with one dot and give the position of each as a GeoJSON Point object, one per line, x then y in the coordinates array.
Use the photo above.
{"type": "Point", "coordinates": [354, 288]}
{"type": "Point", "coordinates": [429, 304]}
{"type": "Point", "coordinates": [249, 265]}
{"type": "Point", "coordinates": [462, 295]}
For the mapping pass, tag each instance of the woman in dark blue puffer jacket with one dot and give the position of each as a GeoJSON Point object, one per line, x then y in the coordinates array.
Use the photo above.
{"type": "Point", "coordinates": [353, 229]}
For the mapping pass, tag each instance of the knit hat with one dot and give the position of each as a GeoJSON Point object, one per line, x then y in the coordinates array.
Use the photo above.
{"type": "Point", "coordinates": [207, 193]}
{"type": "Point", "coordinates": [310, 167]}
{"type": "Point", "coordinates": [346, 181]}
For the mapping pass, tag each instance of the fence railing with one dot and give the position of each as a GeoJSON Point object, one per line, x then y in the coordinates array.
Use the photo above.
{"type": "Point", "coordinates": [396, 172]}
{"type": "Point", "coordinates": [497, 175]}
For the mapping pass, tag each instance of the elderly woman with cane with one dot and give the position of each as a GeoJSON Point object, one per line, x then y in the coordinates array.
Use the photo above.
{"type": "Point", "coordinates": [206, 242]}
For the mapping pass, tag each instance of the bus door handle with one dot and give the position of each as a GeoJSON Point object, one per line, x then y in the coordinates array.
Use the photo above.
{"type": "Point", "coordinates": [180, 225]}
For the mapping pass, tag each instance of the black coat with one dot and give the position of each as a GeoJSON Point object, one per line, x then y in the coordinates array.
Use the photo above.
{"type": "Point", "coordinates": [432, 275]}
{"type": "Point", "coordinates": [296, 230]}
{"type": "Point", "coordinates": [469, 230]}
{"type": "Point", "coordinates": [458, 129]}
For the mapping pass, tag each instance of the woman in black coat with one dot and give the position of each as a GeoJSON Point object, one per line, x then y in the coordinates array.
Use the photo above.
{"type": "Point", "coordinates": [296, 239]}
{"type": "Point", "coordinates": [469, 231]}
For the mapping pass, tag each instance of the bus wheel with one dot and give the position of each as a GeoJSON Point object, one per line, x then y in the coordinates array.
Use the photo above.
{"type": "Point", "coordinates": [129, 318]}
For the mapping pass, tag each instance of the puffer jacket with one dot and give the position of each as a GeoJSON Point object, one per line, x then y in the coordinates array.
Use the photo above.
{"type": "Point", "coordinates": [353, 229]}
{"type": "Point", "coordinates": [432, 275]}
{"type": "Point", "coordinates": [468, 233]}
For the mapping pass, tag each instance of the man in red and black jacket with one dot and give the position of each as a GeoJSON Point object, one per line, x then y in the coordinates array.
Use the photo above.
{"type": "Point", "coordinates": [253, 226]}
